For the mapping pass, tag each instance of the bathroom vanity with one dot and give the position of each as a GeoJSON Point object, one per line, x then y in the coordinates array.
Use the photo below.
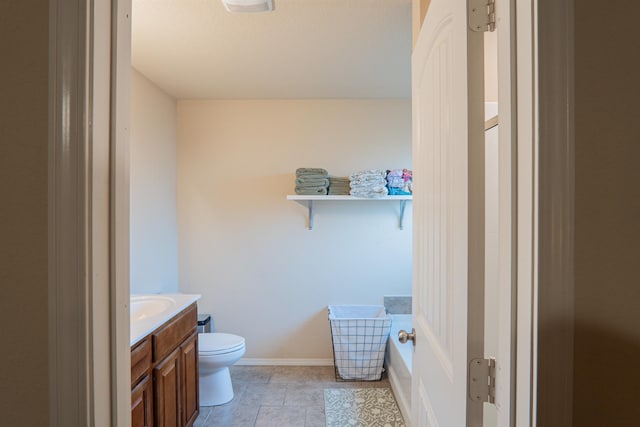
{"type": "Point", "coordinates": [164, 364]}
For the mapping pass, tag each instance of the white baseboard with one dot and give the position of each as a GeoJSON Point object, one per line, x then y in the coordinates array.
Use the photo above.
{"type": "Point", "coordinates": [245, 361]}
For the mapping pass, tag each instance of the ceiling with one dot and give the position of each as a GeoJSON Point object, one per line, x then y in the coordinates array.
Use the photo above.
{"type": "Point", "coordinates": [303, 49]}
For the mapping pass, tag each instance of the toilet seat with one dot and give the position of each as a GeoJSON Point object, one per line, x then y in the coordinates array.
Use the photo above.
{"type": "Point", "coordinates": [210, 344]}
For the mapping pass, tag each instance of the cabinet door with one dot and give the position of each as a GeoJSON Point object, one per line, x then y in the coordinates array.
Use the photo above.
{"type": "Point", "coordinates": [190, 373]}
{"type": "Point", "coordinates": [166, 377]}
{"type": "Point", "coordinates": [142, 404]}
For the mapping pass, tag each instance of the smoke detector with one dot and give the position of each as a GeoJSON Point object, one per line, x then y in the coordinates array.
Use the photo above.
{"type": "Point", "coordinates": [248, 6]}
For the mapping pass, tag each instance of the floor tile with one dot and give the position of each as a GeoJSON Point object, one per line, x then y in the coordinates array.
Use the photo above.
{"type": "Point", "coordinates": [302, 374]}
{"type": "Point", "coordinates": [315, 417]}
{"type": "Point", "coordinates": [281, 416]}
{"type": "Point", "coordinates": [238, 390]}
{"type": "Point", "coordinates": [202, 418]}
{"type": "Point", "coordinates": [251, 374]}
{"type": "Point", "coordinates": [281, 396]}
{"type": "Point", "coordinates": [359, 384]}
{"type": "Point", "coordinates": [232, 416]}
{"type": "Point", "coordinates": [304, 395]}
{"type": "Point", "coordinates": [264, 394]}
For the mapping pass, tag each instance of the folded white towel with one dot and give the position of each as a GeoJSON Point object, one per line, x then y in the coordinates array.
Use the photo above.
{"type": "Point", "coordinates": [370, 192]}
{"type": "Point", "coordinates": [369, 173]}
{"type": "Point", "coordinates": [367, 181]}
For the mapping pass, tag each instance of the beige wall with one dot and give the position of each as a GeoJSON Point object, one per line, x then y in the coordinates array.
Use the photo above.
{"type": "Point", "coordinates": [23, 213]}
{"type": "Point", "coordinates": [153, 222]}
{"type": "Point", "coordinates": [491, 66]}
{"type": "Point", "coordinates": [607, 280]}
{"type": "Point", "coordinates": [246, 249]}
{"type": "Point", "coordinates": [418, 11]}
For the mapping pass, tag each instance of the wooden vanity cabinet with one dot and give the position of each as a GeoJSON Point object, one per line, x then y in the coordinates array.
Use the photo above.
{"type": "Point", "coordinates": [172, 397]}
{"type": "Point", "coordinates": [141, 385]}
{"type": "Point", "coordinates": [166, 379]}
{"type": "Point", "coordinates": [190, 376]}
{"type": "Point", "coordinates": [142, 403]}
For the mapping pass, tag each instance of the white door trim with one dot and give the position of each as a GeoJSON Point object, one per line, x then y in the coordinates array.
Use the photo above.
{"type": "Point", "coordinates": [506, 363]}
{"type": "Point", "coordinates": [555, 210]}
{"type": "Point", "coordinates": [89, 356]}
{"type": "Point", "coordinates": [70, 356]}
{"type": "Point", "coordinates": [545, 212]}
{"type": "Point", "coordinates": [526, 215]}
{"type": "Point", "coordinates": [119, 204]}
{"type": "Point", "coordinates": [103, 370]}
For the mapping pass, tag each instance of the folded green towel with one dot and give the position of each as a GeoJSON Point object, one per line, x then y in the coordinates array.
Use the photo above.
{"type": "Point", "coordinates": [311, 191]}
{"type": "Point", "coordinates": [321, 173]}
{"type": "Point", "coordinates": [338, 191]}
{"type": "Point", "coordinates": [312, 182]}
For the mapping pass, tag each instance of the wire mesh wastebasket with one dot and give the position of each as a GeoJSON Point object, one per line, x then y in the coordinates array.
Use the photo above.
{"type": "Point", "coordinates": [359, 334]}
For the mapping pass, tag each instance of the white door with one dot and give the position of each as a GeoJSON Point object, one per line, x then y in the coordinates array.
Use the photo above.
{"type": "Point", "coordinates": [448, 160]}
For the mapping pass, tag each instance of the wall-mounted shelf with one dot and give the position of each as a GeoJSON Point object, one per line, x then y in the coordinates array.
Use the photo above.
{"type": "Point", "coordinates": [307, 201]}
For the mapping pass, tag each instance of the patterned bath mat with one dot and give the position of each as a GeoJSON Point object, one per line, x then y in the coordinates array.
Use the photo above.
{"type": "Point", "coordinates": [361, 407]}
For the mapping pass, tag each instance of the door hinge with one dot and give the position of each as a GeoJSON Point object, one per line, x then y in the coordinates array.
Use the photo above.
{"type": "Point", "coordinates": [482, 15]}
{"type": "Point", "coordinates": [482, 380]}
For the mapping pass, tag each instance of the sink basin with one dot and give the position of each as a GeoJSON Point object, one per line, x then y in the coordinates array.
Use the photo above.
{"type": "Point", "coordinates": [143, 307]}
{"type": "Point", "coordinates": [150, 311]}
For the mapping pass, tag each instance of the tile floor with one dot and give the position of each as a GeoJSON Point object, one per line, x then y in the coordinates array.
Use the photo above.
{"type": "Point", "coordinates": [278, 396]}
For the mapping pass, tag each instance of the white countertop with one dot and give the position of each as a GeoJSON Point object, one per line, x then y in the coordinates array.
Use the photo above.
{"type": "Point", "coordinates": [150, 311]}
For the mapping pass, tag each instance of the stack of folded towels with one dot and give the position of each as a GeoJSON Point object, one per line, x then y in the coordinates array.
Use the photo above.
{"type": "Point", "coordinates": [400, 182]}
{"type": "Point", "coordinates": [369, 183]}
{"type": "Point", "coordinates": [312, 181]}
{"type": "Point", "coordinates": [339, 186]}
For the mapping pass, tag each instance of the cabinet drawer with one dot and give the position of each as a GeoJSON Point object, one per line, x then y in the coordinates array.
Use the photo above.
{"type": "Point", "coordinates": [174, 332]}
{"type": "Point", "coordinates": [140, 360]}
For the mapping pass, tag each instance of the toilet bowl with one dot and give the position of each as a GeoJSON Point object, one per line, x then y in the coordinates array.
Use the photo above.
{"type": "Point", "coordinates": [217, 351]}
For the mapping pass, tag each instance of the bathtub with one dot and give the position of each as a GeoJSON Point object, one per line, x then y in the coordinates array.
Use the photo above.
{"type": "Point", "coordinates": [398, 361]}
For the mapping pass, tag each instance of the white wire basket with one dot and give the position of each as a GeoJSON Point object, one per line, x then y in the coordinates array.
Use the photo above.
{"type": "Point", "coordinates": [359, 334]}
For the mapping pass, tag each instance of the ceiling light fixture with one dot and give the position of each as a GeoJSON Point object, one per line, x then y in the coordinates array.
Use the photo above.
{"type": "Point", "coordinates": [248, 6]}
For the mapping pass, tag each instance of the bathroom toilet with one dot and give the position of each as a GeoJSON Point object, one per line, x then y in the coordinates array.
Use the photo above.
{"type": "Point", "coordinates": [217, 351]}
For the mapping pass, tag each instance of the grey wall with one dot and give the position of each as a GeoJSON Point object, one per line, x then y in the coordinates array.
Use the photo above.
{"type": "Point", "coordinates": [24, 394]}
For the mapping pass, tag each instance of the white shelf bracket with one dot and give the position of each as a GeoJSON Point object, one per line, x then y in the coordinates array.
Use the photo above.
{"type": "Point", "coordinates": [310, 208]}
{"type": "Point", "coordinates": [403, 204]}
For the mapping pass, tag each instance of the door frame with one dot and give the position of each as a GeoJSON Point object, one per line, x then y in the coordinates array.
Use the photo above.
{"type": "Point", "coordinates": [508, 179]}
{"type": "Point", "coordinates": [89, 255]}
{"type": "Point", "coordinates": [545, 212]}
{"type": "Point", "coordinates": [89, 353]}
{"type": "Point", "coordinates": [70, 316]}
{"type": "Point", "coordinates": [553, 286]}
{"type": "Point", "coordinates": [526, 134]}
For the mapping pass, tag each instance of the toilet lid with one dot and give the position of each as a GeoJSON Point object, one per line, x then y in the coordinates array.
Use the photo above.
{"type": "Point", "coordinates": [218, 343]}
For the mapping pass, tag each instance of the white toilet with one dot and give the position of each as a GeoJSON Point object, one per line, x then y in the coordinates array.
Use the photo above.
{"type": "Point", "coordinates": [217, 351]}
